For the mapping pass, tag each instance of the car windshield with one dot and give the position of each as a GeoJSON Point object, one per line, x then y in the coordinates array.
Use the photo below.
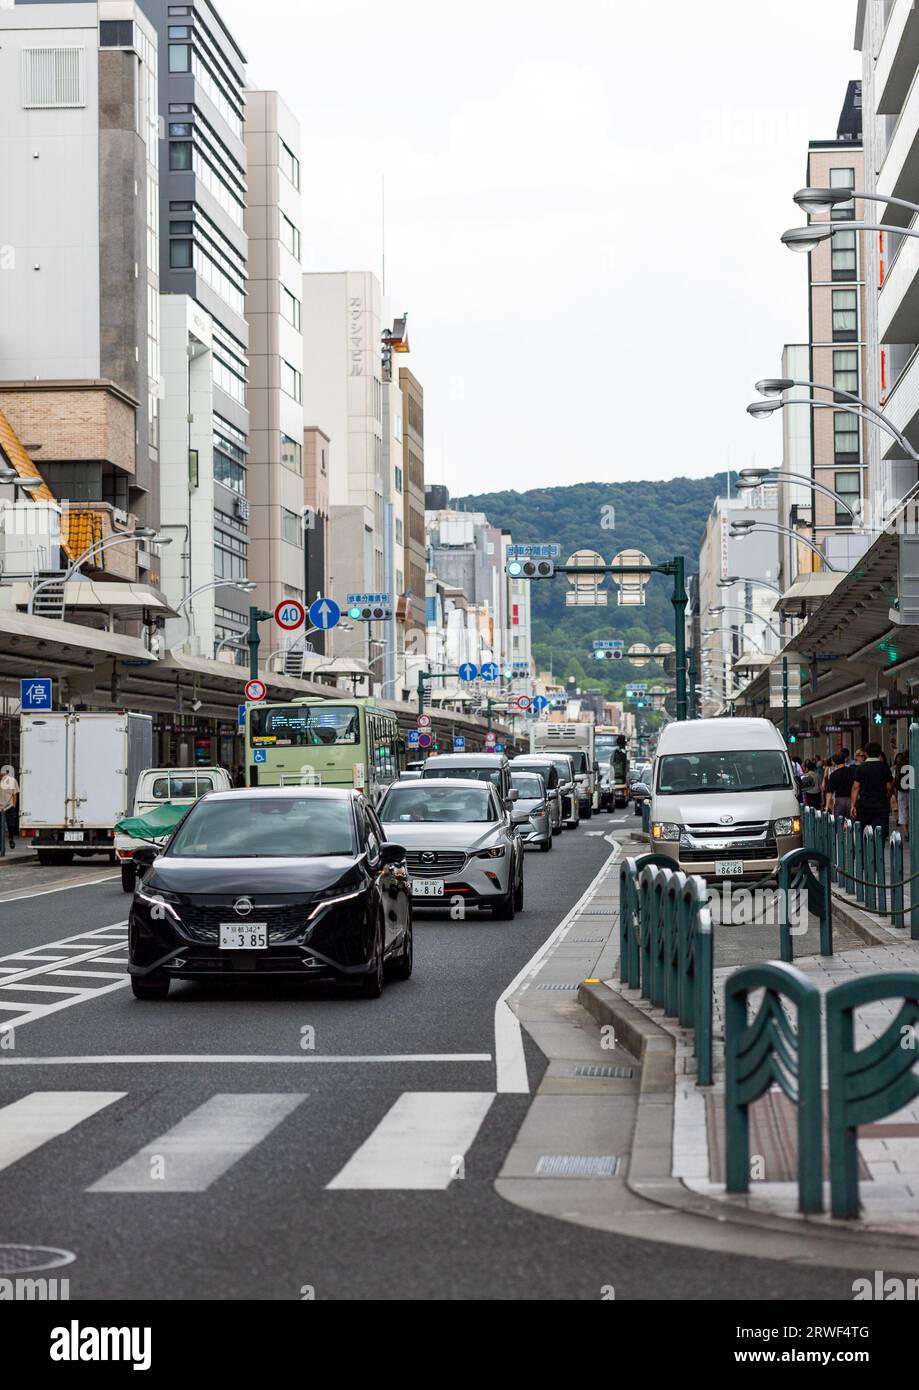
{"type": "Point", "coordinates": [564, 768]}
{"type": "Point", "coordinates": [529, 785]}
{"type": "Point", "coordinates": [547, 771]}
{"type": "Point", "coordinates": [604, 746]}
{"type": "Point", "coordinates": [448, 805]}
{"type": "Point", "coordinates": [256, 827]}
{"type": "Point", "coordinates": [754, 770]}
{"type": "Point", "coordinates": [171, 787]}
{"type": "Point", "coordinates": [304, 726]}
{"type": "Point", "coordinates": [469, 774]}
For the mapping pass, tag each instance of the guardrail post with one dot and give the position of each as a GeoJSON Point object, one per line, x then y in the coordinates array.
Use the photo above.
{"type": "Point", "coordinates": [839, 844]}
{"type": "Point", "coordinates": [671, 944]}
{"type": "Point", "coordinates": [869, 860]}
{"type": "Point", "coordinates": [858, 861]}
{"type": "Point", "coordinates": [628, 921]}
{"type": "Point", "coordinates": [913, 794]}
{"type": "Point", "coordinates": [794, 875]}
{"type": "Point", "coordinates": [880, 872]}
{"type": "Point", "coordinates": [897, 892]}
{"type": "Point", "coordinates": [749, 1050]}
{"type": "Point", "coordinates": [868, 1084]}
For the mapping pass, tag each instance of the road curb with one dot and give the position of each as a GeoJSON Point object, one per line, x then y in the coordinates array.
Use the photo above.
{"type": "Point", "coordinates": [650, 1168]}
{"type": "Point", "coordinates": [860, 924]}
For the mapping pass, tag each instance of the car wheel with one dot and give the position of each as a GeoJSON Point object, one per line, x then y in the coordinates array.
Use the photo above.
{"type": "Point", "coordinates": [372, 983]}
{"type": "Point", "coordinates": [128, 878]}
{"type": "Point", "coordinates": [587, 812]}
{"type": "Point", "coordinates": [401, 967]}
{"type": "Point", "coordinates": [150, 986]}
{"type": "Point", "coordinates": [518, 893]}
{"type": "Point", "coordinates": [506, 908]}
{"type": "Point", "coordinates": [546, 845]}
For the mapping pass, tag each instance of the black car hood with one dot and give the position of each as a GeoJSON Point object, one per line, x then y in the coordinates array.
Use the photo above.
{"type": "Point", "coordinates": [249, 876]}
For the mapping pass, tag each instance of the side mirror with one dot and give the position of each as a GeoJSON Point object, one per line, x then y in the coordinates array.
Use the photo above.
{"type": "Point", "coordinates": [640, 789]}
{"type": "Point", "coordinates": [391, 853]}
{"type": "Point", "coordinates": [145, 855]}
{"type": "Point", "coordinates": [514, 794]}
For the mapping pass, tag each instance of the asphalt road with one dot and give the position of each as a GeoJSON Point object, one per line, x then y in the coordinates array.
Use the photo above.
{"type": "Point", "coordinates": [237, 1179]}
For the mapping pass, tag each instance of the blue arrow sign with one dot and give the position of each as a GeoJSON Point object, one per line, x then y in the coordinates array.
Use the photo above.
{"type": "Point", "coordinates": [241, 718]}
{"type": "Point", "coordinates": [489, 671]}
{"type": "Point", "coordinates": [468, 672]}
{"type": "Point", "coordinates": [35, 694]}
{"type": "Point", "coordinates": [324, 613]}
{"type": "Point", "coordinates": [540, 702]}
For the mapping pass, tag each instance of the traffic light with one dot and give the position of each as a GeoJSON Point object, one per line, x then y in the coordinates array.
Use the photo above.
{"type": "Point", "coordinates": [529, 569]}
{"type": "Point", "coordinates": [877, 711]}
{"type": "Point", "coordinates": [609, 654]}
{"type": "Point", "coordinates": [369, 613]}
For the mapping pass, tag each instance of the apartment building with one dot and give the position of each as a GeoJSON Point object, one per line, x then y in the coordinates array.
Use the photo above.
{"type": "Point", "coordinates": [316, 448]}
{"type": "Point", "coordinates": [79, 224]}
{"type": "Point", "coordinates": [413, 507]}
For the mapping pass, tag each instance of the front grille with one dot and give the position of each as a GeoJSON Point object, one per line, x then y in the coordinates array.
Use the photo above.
{"type": "Point", "coordinates": [285, 920]}
{"type": "Point", "coordinates": [742, 829]}
{"type": "Point", "coordinates": [766, 849]}
{"type": "Point", "coordinates": [435, 863]}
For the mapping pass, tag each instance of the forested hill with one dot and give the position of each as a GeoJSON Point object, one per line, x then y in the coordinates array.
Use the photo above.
{"type": "Point", "coordinates": [661, 518]}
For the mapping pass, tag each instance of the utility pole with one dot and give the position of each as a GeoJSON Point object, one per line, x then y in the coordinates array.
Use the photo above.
{"type": "Point", "coordinates": [785, 699]}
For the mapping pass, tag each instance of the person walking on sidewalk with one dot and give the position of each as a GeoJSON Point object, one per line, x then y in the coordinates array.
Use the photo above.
{"type": "Point", "coordinates": [872, 789]}
{"type": "Point", "coordinates": [9, 796]}
{"type": "Point", "coordinates": [839, 787]}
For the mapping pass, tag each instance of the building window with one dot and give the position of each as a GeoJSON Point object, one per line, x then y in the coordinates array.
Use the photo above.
{"type": "Point", "coordinates": [180, 129]}
{"type": "Point", "coordinates": [845, 437]}
{"type": "Point", "coordinates": [290, 237]}
{"type": "Point", "coordinates": [398, 538]}
{"type": "Point", "coordinates": [291, 454]}
{"type": "Point", "coordinates": [229, 459]}
{"type": "Point", "coordinates": [843, 178]}
{"type": "Point", "coordinates": [181, 207]}
{"type": "Point", "coordinates": [845, 316]}
{"type": "Point", "coordinates": [180, 154]}
{"type": "Point", "coordinates": [180, 108]}
{"type": "Point", "coordinates": [291, 381]}
{"type": "Point", "coordinates": [180, 31]}
{"type": "Point", "coordinates": [290, 307]}
{"type": "Point", "coordinates": [290, 164]}
{"type": "Point", "coordinates": [322, 465]}
{"type": "Point", "coordinates": [842, 255]}
{"type": "Point", "coordinates": [181, 228]}
{"type": "Point", "coordinates": [849, 487]}
{"type": "Point", "coordinates": [291, 529]}
{"type": "Point", "coordinates": [179, 57]}
{"type": "Point", "coordinates": [53, 77]}
{"type": "Point", "coordinates": [180, 255]}
{"type": "Point", "coordinates": [229, 556]}
{"type": "Point", "coordinates": [116, 33]}
{"type": "Point", "coordinates": [845, 371]}
{"type": "Point", "coordinates": [398, 479]}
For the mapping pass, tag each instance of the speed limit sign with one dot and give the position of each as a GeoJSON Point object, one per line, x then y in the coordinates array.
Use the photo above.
{"type": "Point", "coordinates": [256, 690]}
{"type": "Point", "coordinates": [290, 614]}
{"type": "Point", "coordinates": [523, 702]}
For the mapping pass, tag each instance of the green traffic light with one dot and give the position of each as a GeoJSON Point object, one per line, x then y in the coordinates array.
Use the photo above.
{"type": "Point", "coordinates": [515, 569]}
{"type": "Point", "coordinates": [792, 738]}
{"type": "Point", "coordinates": [354, 612]}
{"type": "Point", "coordinates": [879, 718]}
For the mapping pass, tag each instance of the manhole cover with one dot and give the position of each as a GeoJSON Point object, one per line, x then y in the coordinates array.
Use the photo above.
{"type": "Point", "coordinates": [602, 1069]}
{"type": "Point", "coordinates": [576, 1166]}
{"type": "Point", "coordinates": [17, 1259]}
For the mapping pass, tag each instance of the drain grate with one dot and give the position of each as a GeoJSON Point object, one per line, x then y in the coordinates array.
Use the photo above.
{"type": "Point", "coordinates": [556, 986]}
{"type": "Point", "coordinates": [577, 1166]}
{"type": "Point", "coordinates": [587, 940]}
{"type": "Point", "coordinates": [603, 1069]}
{"type": "Point", "coordinates": [17, 1259]}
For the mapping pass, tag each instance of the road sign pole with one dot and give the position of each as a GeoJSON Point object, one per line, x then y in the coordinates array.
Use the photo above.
{"type": "Point", "coordinates": [785, 699]}
{"type": "Point", "coordinates": [256, 616]}
{"type": "Point", "coordinates": [693, 710]}
{"type": "Point", "coordinates": [421, 692]}
{"type": "Point", "coordinates": [679, 632]}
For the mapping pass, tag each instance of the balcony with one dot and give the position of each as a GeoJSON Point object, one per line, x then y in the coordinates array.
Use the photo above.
{"type": "Point", "coordinates": [898, 58]}
{"type": "Point", "coordinates": [898, 301]}
{"type": "Point", "coordinates": [902, 409]}
{"type": "Point", "coordinates": [899, 174]}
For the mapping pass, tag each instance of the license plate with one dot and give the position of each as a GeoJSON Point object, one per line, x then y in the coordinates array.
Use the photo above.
{"type": "Point", "coordinates": [73, 836]}
{"type": "Point", "coordinates": [251, 937]}
{"type": "Point", "coordinates": [427, 887]}
{"type": "Point", "coordinates": [728, 868]}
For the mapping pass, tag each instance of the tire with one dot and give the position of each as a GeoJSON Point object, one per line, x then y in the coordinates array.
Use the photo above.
{"type": "Point", "coordinates": [506, 909]}
{"type": "Point", "coordinates": [149, 987]}
{"type": "Point", "coordinates": [128, 878]}
{"type": "Point", "coordinates": [587, 812]}
{"type": "Point", "coordinates": [518, 893]}
{"type": "Point", "coordinates": [546, 845]}
{"type": "Point", "coordinates": [371, 986]}
{"type": "Point", "coordinates": [401, 967]}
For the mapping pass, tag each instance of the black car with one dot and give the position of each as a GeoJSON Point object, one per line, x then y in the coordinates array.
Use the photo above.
{"type": "Point", "coordinates": [272, 881]}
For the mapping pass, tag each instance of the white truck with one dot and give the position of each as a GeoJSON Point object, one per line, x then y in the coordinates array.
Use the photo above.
{"type": "Point", "coordinates": [77, 779]}
{"type": "Point", "coordinates": [577, 740]}
{"type": "Point", "coordinates": [164, 786]}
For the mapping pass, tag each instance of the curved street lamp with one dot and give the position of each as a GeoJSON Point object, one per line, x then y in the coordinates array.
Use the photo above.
{"type": "Point", "coordinates": [750, 615]}
{"type": "Point", "coordinates": [755, 477]}
{"type": "Point", "coordinates": [775, 387]}
{"type": "Point", "coordinates": [141, 533]}
{"type": "Point", "coordinates": [743, 528]}
{"type": "Point", "coordinates": [245, 586]}
{"type": "Point", "coordinates": [730, 580]}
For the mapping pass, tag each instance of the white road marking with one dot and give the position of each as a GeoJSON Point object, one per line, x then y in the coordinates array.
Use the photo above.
{"type": "Point", "coordinates": [510, 1059]}
{"type": "Point", "coordinates": [27, 1124]}
{"type": "Point", "coordinates": [21, 971]}
{"type": "Point", "coordinates": [259, 1059]}
{"type": "Point", "coordinates": [202, 1146]}
{"type": "Point", "coordinates": [64, 888]}
{"type": "Point", "coordinates": [418, 1144]}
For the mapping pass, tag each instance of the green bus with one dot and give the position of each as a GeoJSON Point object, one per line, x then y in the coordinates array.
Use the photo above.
{"type": "Point", "coordinates": [331, 743]}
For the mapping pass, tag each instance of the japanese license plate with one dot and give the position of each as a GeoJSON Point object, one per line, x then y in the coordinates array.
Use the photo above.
{"type": "Point", "coordinates": [427, 887]}
{"type": "Point", "coordinates": [252, 936]}
{"type": "Point", "coordinates": [73, 837]}
{"type": "Point", "coordinates": [728, 868]}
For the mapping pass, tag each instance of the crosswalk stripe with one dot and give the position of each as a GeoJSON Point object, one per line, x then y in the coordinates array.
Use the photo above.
{"type": "Point", "coordinates": [202, 1146]}
{"type": "Point", "coordinates": [419, 1142]}
{"type": "Point", "coordinates": [28, 1123]}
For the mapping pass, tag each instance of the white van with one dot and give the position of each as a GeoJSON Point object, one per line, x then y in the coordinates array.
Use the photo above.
{"type": "Point", "coordinates": [724, 803]}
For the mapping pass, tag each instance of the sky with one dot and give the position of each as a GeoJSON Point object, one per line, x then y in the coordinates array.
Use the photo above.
{"type": "Point", "coordinates": [583, 206]}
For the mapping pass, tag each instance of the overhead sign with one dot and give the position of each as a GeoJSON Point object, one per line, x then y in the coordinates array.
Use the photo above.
{"type": "Point", "coordinates": [587, 587]}
{"type": "Point", "coordinates": [425, 740]}
{"type": "Point", "coordinates": [324, 614]}
{"type": "Point", "coordinates": [608, 644]}
{"type": "Point", "coordinates": [631, 586]}
{"type": "Point", "coordinates": [489, 671]}
{"type": "Point", "coordinates": [533, 552]}
{"type": "Point", "coordinates": [290, 614]}
{"type": "Point", "coordinates": [368, 598]}
{"type": "Point", "coordinates": [468, 672]}
{"type": "Point", "coordinates": [256, 690]}
{"type": "Point", "coordinates": [459, 743]}
{"type": "Point", "coordinates": [35, 694]}
{"type": "Point", "coordinates": [424, 721]}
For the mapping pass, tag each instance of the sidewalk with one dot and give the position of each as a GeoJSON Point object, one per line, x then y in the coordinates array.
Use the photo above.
{"type": "Point", "coordinates": [22, 854]}
{"type": "Point", "coordinates": [888, 1150]}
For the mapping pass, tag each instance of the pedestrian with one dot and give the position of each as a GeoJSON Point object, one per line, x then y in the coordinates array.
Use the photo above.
{"type": "Point", "coordinates": [810, 784]}
{"type": "Point", "coordinates": [839, 787]}
{"type": "Point", "coordinates": [872, 789]}
{"type": "Point", "coordinates": [9, 800]}
{"type": "Point", "coordinates": [860, 756]}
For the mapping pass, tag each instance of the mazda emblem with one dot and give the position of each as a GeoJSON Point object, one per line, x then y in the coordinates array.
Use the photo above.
{"type": "Point", "coordinates": [242, 907]}
{"type": "Point", "coordinates": [429, 857]}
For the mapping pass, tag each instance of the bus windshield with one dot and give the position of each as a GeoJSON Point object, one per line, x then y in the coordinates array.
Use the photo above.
{"type": "Point", "coordinates": [304, 726]}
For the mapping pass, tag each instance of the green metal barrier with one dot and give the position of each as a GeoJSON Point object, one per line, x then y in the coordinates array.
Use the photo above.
{"type": "Point", "coordinates": [866, 1084]}
{"type": "Point", "coordinates": [869, 861]}
{"type": "Point", "coordinates": [629, 927]}
{"type": "Point", "coordinates": [913, 747]}
{"type": "Point", "coordinates": [795, 874]}
{"type": "Point", "coordinates": [858, 861]}
{"type": "Point", "coordinates": [769, 1051]}
{"type": "Point", "coordinates": [897, 893]}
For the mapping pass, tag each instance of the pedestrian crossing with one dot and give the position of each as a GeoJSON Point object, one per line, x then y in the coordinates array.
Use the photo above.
{"type": "Point", "coordinates": [42, 980]}
{"type": "Point", "coordinates": [420, 1143]}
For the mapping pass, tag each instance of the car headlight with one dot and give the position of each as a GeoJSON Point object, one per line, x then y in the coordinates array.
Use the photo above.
{"type": "Point", "coordinates": [331, 897]}
{"type": "Point", "coordinates": [540, 810]}
{"type": "Point", "coordinates": [498, 852]}
{"type": "Point", "coordinates": [788, 825]}
{"type": "Point", "coordinates": [155, 898]}
{"type": "Point", "coordinates": [665, 830]}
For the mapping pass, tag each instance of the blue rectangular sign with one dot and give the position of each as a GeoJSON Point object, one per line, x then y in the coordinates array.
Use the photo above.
{"type": "Point", "coordinates": [459, 744]}
{"type": "Point", "coordinates": [533, 552]}
{"type": "Point", "coordinates": [411, 738]}
{"type": "Point", "coordinates": [35, 694]}
{"type": "Point", "coordinates": [241, 718]}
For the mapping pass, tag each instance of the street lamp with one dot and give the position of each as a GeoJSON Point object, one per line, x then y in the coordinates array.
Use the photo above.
{"type": "Point", "coordinates": [11, 478]}
{"type": "Point", "coordinates": [739, 529]}
{"type": "Point", "coordinates": [140, 533]}
{"type": "Point", "coordinates": [774, 387]}
{"type": "Point", "coordinates": [244, 586]}
{"type": "Point", "coordinates": [731, 579]}
{"type": "Point", "coordinates": [749, 615]}
{"type": "Point", "coordinates": [748, 481]}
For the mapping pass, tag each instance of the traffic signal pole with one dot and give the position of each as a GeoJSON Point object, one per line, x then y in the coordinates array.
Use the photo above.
{"type": "Point", "coordinates": [256, 616]}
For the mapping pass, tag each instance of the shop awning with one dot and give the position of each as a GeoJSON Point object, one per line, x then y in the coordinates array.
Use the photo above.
{"type": "Point", "coordinates": [103, 594]}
